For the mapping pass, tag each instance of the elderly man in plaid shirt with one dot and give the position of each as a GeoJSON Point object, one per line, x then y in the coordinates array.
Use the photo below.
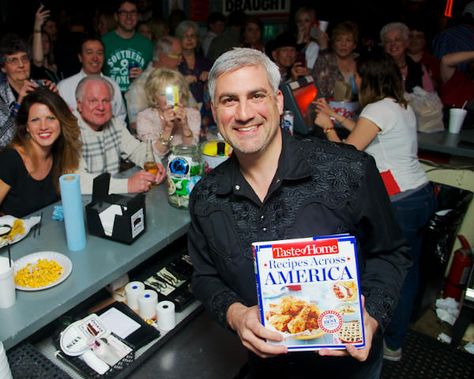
{"type": "Point", "coordinates": [105, 139]}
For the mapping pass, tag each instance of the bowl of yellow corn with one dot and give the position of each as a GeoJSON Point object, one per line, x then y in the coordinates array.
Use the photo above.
{"type": "Point", "coordinates": [41, 270]}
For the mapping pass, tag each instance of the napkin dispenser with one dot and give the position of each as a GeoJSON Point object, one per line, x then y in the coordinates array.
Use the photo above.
{"type": "Point", "coordinates": [117, 217]}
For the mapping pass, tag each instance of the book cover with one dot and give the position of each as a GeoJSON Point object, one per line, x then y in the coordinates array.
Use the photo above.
{"type": "Point", "coordinates": [308, 290]}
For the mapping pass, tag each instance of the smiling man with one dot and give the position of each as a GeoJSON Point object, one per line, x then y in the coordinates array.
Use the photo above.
{"type": "Point", "coordinates": [127, 52]}
{"type": "Point", "coordinates": [276, 187]}
{"type": "Point", "coordinates": [105, 139]}
{"type": "Point", "coordinates": [91, 57]}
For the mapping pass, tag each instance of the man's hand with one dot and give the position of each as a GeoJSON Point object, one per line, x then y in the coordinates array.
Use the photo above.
{"type": "Point", "coordinates": [135, 72]}
{"type": "Point", "coordinates": [370, 325]}
{"type": "Point", "coordinates": [298, 70]}
{"type": "Point", "coordinates": [252, 333]}
{"type": "Point", "coordinates": [141, 181]}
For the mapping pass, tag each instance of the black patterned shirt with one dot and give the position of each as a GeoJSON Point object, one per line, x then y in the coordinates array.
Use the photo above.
{"type": "Point", "coordinates": [319, 188]}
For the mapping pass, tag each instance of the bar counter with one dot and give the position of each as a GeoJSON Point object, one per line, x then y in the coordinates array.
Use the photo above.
{"type": "Point", "coordinates": [101, 262]}
{"type": "Point", "coordinates": [455, 167]}
{"type": "Point", "coordinates": [461, 145]}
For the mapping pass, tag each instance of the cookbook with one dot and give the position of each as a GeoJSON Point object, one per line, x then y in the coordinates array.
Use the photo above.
{"type": "Point", "coordinates": [308, 290]}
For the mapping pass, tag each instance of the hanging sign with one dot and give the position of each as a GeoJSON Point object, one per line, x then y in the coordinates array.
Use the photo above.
{"type": "Point", "coordinates": [257, 7]}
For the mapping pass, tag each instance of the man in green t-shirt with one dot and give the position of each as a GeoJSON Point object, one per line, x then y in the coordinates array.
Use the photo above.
{"type": "Point", "coordinates": [127, 53]}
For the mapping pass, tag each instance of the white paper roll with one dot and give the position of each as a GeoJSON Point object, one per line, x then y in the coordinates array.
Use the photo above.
{"type": "Point", "coordinates": [166, 316]}
{"type": "Point", "coordinates": [133, 290]}
{"type": "Point", "coordinates": [147, 304]}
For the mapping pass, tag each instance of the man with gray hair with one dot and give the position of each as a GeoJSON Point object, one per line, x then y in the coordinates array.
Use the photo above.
{"type": "Point", "coordinates": [167, 54]}
{"type": "Point", "coordinates": [276, 187]}
{"type": "Point", "coordinates": [105, 139]}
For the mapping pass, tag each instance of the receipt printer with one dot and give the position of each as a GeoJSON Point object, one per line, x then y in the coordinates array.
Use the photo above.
{"type": "Point", "coordinates": [116, 217]}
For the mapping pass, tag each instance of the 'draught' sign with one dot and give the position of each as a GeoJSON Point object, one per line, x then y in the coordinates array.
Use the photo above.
{"type": "Point", "coordinates": [260, 7]}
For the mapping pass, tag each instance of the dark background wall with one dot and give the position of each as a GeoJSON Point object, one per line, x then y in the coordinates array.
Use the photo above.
{"type": "Point", "coordinates": [18, 15]}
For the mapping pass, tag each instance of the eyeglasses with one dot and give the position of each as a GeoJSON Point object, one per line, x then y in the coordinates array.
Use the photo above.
{"type": "Point", "coordinates": [394, 41]}
{"type": "Point", "coordinates": [15, 61]}
{"type": "Point", "coordinates": [127, 13]}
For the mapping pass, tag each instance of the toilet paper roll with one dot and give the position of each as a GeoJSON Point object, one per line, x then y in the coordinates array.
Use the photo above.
{"type": "Point", "coordinates": [165, 315]}
{"type": "Point", "coordinates": [73, 211]}
{"type": "Point", "coordinates": [133, 290]}
{"type": "Point", "coordinates": [147, 302]}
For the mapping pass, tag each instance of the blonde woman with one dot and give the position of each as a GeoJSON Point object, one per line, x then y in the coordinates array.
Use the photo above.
{"type": "Point", "coordinates": [169, 124]}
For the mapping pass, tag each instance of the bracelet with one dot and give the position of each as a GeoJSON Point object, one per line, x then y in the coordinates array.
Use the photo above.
{"type": "Point", "coordinates": [163, 141]}
{"type": "Point", "coordinates": [327, 130]}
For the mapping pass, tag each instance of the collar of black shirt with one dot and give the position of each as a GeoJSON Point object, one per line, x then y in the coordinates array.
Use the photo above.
{"type": "Point", "coordinates": [292, 165]}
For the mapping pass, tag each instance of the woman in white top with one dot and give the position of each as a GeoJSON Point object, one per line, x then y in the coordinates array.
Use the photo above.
{"type": "Point", "coordinates": [170, 124]}
{"type": "Point", "coordinates": [386, 129]}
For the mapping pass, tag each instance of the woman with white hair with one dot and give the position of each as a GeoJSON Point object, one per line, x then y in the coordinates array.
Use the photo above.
{"type": "Point", "coordinates": [395, 38]}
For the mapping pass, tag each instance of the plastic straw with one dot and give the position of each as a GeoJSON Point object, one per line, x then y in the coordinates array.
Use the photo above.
{"type": "Point", "coordinates": [464, 104]}
{"type": "Point", "coordinates": [9, 254]}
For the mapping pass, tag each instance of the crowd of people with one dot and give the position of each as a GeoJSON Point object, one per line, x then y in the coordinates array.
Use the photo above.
{"type": "Point", "coordinates": [85, 111]}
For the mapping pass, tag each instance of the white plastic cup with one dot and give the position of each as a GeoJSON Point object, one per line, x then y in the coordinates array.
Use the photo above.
{"type": "Point", "coordinates": [323, 25]}
{"type": "Point", "coordinates": [456, 118]}
{"type": "Point", "coordinates": [5, 372]}
{"type": "Point", "coordinates": [7, 284]}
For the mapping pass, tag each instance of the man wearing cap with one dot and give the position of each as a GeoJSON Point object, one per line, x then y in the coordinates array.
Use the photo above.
{"type": "Point", "coordinates": [283, 52]}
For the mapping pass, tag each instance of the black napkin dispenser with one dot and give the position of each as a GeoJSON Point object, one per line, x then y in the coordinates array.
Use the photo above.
{"type": "Point", "coordinates": [128, 226]}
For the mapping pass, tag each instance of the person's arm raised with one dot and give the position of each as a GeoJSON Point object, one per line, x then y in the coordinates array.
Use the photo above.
{"type": "Point", "coordinates": [40, 17]}
{"type": "Point", "coordinates": [450, 61]}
